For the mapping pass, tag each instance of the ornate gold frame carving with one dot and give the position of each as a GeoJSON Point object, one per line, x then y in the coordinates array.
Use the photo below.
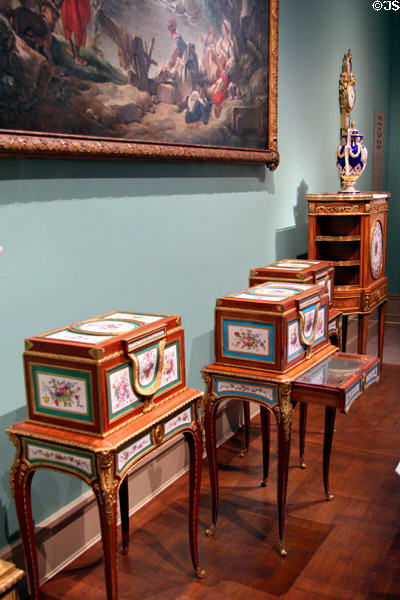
{"type": "Point", "coordinates": [337, 209]}
{"type": "Point", "coordinates": [51, 145]}
{"type": "Point", "coordinates": [378, 206]}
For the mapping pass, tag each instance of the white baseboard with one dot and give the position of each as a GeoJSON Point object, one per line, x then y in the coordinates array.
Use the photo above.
{"type": "Point", "coordinates": [69, 532]}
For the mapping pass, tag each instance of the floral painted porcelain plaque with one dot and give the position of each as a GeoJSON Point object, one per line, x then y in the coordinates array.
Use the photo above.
{"type": "Point", "coordinates": [113, 327]}
{"type": "Point", "coordinates": [45, 453]}
{"type": "Point", "coordinates": [121, 394]}
{"type": "Point", "coordinates": [59, 391]}
{"type": "Point", "coordinates": [247, 339]}
{"type": "Point", "coordinates": [233, 387]}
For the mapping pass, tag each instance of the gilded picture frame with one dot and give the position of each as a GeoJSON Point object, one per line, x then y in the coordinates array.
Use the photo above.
{"type": "Point", "coordinates": [173, 80]}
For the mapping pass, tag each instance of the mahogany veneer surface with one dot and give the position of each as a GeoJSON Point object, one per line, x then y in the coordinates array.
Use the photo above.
{"type": "Point", "coordinates": [346, 549]}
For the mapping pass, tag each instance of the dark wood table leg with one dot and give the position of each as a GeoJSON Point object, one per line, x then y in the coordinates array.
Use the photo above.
{"type": "Point", "coordinates": [330, 413]}
{"type": "Point", "coordinates": [210, 414]}
{"type": "Point", "coordinates": [265, 436]}
{"type": "Point", "coordinates": [284, 418]}
{"type": "Point", "coordinates": [246, 427]}
{"type": "Point", "coordinates": [381, 318]}
{"type": "Point", "coordinates": [345, 321]}
{"type": "Point", "coordinates": [124, 509]}
{"type": "Point", "coordinates": [362, 333]}
{"type": "Point", "coordinates": [302, 432]}
{"type": "Point", "coordinates": [195, 444]}
{"type": "Point", "coordinates": [20, 480]}
{"type": "Point", "coordinates": [105, 489]}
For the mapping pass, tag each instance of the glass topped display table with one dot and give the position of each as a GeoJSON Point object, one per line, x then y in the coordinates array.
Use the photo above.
{"type": "Point", "coordinates": [329, 378]}
{"type": "Point", "coordinates": [104, 463]}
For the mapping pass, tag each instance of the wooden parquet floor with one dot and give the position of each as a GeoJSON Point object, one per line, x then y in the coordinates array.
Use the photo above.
{"type": "Point", "coordinates": [346, 549]}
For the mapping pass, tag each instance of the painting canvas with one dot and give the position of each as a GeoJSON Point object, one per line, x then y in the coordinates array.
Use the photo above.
{"type": "Point", "coordinates": [147, 78]}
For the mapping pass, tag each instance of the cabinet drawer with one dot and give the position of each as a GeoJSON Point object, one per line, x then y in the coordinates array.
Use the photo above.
{"type": "Point", "coordinates": [337, 380]}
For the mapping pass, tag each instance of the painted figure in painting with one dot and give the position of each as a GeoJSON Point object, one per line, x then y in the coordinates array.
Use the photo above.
{"type": "Point", "coordinates": [181, 68]}
{"type": "Point", "coordinates": [178, 49]}
{"type": "Point", "coordinates": [220, 87]}
{"type": "Point", "coordinates": [75, 17]}
{"type": "Point", "coordinates": [210, 58]}
{"type": "Point", "coordinates": [198, 108]}
{"type": "Point", "coordinates": [225, 47]}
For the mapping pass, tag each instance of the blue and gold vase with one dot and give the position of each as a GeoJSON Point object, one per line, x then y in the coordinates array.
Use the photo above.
{"type": "Point", "coordinates": [351, 159]}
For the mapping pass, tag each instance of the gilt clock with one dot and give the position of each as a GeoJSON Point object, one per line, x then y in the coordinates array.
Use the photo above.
{"type": "Point", "coordinates": [347, 93]}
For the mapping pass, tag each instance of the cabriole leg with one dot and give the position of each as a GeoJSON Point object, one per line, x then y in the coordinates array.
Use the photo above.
{"type": "Point", "coordinates": [284, 417]}
{"type": "Point", "coordinates": [211, 445]}
{"type": "Point", "coordinates": [246, 427]}
{"type": "Point", "coordinates": [265, 436]}
{"type": "Point", "coordinates": [302, 432]}
{"type": "Point", "coordinates": [124, 509]}
{"type": "Point", "coordinates": [106, 493]}
{"type": "Point", "coordinates": [195, 444]}
{"type": "Point", "coordinates": [330, 413]}
{"type": "Point", "coordinates": [20, 480]}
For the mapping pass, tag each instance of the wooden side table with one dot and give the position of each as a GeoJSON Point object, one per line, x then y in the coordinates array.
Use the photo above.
{"type": "Point", "coordinates": [335, 336]}
{"type": "Point", "coordinates": [330, 378]}
{"type": "Point", "coordinates": [9, 577]}
{"type": "Point", "coordinates": [103, 463]}
{"type": "Point", "coordinates": [350, 231]}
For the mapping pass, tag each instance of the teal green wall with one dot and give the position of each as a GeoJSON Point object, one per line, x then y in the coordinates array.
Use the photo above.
{"type": "Point", "coordinates": [393, 132]}
{"type": "Point", "coordinates": [81, 237]}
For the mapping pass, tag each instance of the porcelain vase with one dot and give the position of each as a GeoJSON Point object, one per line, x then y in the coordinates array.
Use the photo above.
{"type": "Point", "coordinates": [351, 159]}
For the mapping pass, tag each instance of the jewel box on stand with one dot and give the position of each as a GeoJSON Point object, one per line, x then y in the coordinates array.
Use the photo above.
{"type": "Point", "coordinates": [317, 272]}
{"type": "Point", "coordinates": [272, 326]}
{"type": "Point", "coordinates": [96, 374]}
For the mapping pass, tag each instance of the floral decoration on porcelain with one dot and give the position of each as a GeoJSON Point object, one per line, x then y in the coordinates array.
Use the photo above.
{"type": "Point", "coordinates": [73, 336]}
{"type": "Point", "coordinates": [320, 329]}
{"type": "Point", "coordinates": [54, 455]}
{"type": "Point", "coordinates": [107, 326]}
{"type": "Point", "coordinates": [128, 453]}
{"type": "Point", "coordinates": [309, 318]}
{"type": "Point", "coordinates": [184, 418]}
{"type": "Point", "coordinates": [226, 387]}
{"type": "Point", "coordinates": [248, 340]}
{"type": "Point", "coordinates": [121, 391]}
{"type": "Point", "coordinates": [170, 366]}
{"type": "Point", "coordinates": [62, 393]}
{"type": "Point", "coordinates": [294, 343]}
{"type": "Point", "coordinates": [147, 366]}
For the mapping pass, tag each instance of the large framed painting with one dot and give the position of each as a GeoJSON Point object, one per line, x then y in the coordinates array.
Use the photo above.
{"type": "Point", "coordinates": [145, 79]}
